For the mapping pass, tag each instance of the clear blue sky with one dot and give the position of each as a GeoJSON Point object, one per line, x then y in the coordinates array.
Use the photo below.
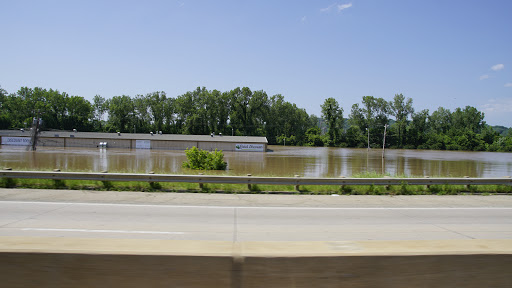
{"type": "Point", "coordinates": [439, 53]}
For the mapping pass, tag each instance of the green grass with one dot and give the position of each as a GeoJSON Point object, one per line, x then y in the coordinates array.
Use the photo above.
{"type": "Point", "coordinates": [403, 189]}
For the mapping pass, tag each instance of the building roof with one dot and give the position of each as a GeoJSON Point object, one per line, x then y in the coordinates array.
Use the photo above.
{"type": "Point", "coordinates": [139, 136]}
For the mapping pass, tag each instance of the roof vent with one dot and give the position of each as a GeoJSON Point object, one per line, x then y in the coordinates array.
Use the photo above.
{"type": "Point", "coordinates": [74, 130]}
{"type": "Point", "coordinates": [118, 133]}
{"type": "Point", "coordinates": [22, 130]}
{"type": "Point", "coordinates": [220, 134]}
{"type": "Point", "coordinates": [151, 133]}
{"type": "Point", "coordinates": [160, 132]}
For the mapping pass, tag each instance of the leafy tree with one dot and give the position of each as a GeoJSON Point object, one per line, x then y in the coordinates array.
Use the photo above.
{"type": "Point", "coordinates": [417, 129]}
{"type": "Point", "coordinates": [401, 109]}
{"type": "Point", "coordinates": [355, 137]}
{"type": "Point", "coordinates": [5, 120]}
{"type": "Point", "coordinates": [314, 137]}
{"type": "Point", "coordinates": [80, 112]}
{"type": "Point", "coordinates": [100, 107]}
{"type": "Point", "coordinates": [249, 111]}
{"type": "Point", "coordinates": [440, 121]}
{"type": "Point", "coordinates": [156, 102]}
{"type": "Point", "coordinates": [142, 115]}
{"type": "Point", "coordinates": [57, 109]}
{"type": "Point", "coordinates": [467, 118]}
{"type": "Point", "coordinates": [240, 111]}
{"type": "Point", "coordinates": [222, 111]}
{"type": "Point", "coordinates": [372, 116]}
{"type": "Point", "coordinates": [121, 113]}
{"type": "Point", "coordinates": [333, 115]}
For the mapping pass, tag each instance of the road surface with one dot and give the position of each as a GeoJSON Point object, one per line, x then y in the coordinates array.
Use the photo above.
{"type": "Point", "coordinates": [408, 219]}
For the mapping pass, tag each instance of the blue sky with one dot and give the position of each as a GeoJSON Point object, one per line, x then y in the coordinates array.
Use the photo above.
{"type": "Point", "coordinates": [439, 53]}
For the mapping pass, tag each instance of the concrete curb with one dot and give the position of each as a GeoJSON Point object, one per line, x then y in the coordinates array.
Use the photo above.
{"type": "Point", "coordinates": [65, 262]}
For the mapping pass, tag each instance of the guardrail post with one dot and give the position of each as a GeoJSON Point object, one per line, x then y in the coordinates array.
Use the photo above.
{"type": "Point", "coordinates": [427, 186]}
{"type": "Point", "coordinates": [154, 185]}
{"type": "Point", "coordinates": [387, 186]}
{"type": "Point", "coordinates": [58, 183]}
{"type": "Point", "coordinates": [467, 186]}
{"type": "Point", "coordinates": [297, 187]}
{"type": "Point", "coordinates": [343, 185]}
{"type": "Point", "coordinates": [9, 182]}
{"type": "Point", "coordinates": [201, 183]}
{"type": "Point", "coordinates": [249, 186]}
{"type": "Point", "coordinates": [106, 184]}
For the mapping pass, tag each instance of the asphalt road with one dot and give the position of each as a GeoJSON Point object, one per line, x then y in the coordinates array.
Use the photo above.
{"type": "Point", "coordinates": [257, 223]}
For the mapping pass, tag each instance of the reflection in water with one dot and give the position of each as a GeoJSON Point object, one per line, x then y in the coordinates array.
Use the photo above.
{"type": "Point", "coordinates": [283, 161]}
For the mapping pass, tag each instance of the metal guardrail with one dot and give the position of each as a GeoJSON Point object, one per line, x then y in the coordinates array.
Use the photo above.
{"type": "Point", "coordinates": [213, 179]}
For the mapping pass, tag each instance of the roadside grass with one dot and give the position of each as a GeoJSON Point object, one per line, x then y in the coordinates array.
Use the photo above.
{"type": "Point", "coordinates": [402, 189]}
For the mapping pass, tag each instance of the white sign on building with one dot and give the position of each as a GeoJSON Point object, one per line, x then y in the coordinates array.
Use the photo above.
{"type": "Point", "coordinates": [250, 147]}
{"type": "Point", "coordinates": [142, 144]}
{"type": "Point", "coordinates": [20, 141]}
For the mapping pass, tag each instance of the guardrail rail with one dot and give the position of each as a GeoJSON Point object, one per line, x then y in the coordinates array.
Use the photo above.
{"type": "Point", "coordinates": [250, 180]}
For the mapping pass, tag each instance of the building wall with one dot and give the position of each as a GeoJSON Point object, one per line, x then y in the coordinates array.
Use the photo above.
{"type": "Point", "coordinates": [172, 145]}
{"type": "Point", "coordinates": [51, 142]}
{"type": "Point", "coordinates": [211, 146]}
{"type": "Point", "coordinates": [93, 143]}
{"type": "Point", "coordinates": [131, 143]}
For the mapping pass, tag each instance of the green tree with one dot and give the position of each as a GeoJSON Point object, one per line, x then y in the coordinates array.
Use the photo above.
{"type": "Point", "coordinates": [5, 121]}
{"type": "Point", "coordinates": [314, 137]}
{"type": "Point", "coordinates": [467, 118]}
{"type": "Point", "coordinates": [440, 121]}
{"type": "Point", "coordinates": [156, 103]}
{"type": "Point", "coordinates": [57, 109]}
{"type": "Point", "coordinates": [80, 112]}
{"type": "Point", "coordinates": [100, 107]}
{"type": "Point", "coordinates": [372, 116]}
{"type": "Point", "coordinates": [121, 113]}
{"type": "Point", "coordinates": [333, 115]}
{"type": "Point", "coordinates": [401, 109]}
{"type": "Point", "coordinates": [142, 115]}
{"type": "Point", "coordinates": [249, 111]}
{"type": "Point", "coordinates": [417, 129]}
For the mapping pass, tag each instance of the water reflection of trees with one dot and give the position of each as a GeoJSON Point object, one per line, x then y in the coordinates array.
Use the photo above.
{"type": "Point", "coordinates": [289, 161]}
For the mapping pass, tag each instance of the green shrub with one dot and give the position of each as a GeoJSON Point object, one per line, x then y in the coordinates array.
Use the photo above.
{"type": "Point", "coordinates": [107, 185]}
{"type": "Point", "coordinates": [204, 160]}
{"type": "Point", "coordinates": [8, 182]}
{"type": "Point", "coordinates": [155, 185]}
{"type": "Point", "coordinates": [57, 183]}
{"type": "Point", "coordinates": [403, 188]}
{"type": "Point", "coordinates": [346, 189]}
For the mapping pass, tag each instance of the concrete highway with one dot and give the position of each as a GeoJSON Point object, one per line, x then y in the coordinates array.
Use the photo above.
{"type": "Point", "coordinates": [492, 219]}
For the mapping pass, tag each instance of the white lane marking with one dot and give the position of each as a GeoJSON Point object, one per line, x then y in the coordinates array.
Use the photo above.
{"type": "Point", "coordinates": [256, 207]}
{"type": "Point", "coordinates": [100, 231]}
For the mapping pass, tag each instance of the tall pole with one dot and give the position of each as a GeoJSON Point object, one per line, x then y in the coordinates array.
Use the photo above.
{"type": "Point", "coordinates": [368, 138]}
{"type": "Point", "coordinates": [384, 140]}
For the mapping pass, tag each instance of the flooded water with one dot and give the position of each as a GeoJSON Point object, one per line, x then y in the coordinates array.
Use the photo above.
{"type": "Point", "coordinates": [282, 161]}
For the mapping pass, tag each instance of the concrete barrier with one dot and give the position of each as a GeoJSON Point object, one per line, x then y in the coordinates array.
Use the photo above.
{"type": "Point", "coordinates": [61, 262]}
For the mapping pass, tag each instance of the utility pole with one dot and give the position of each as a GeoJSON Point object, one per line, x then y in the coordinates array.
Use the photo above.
{"type": "Point", "coordinates": [384, 140]}
{"type": "Point", "coordinates": [35, 130]}
{"type": "Point", "coordinates": [368, 138]}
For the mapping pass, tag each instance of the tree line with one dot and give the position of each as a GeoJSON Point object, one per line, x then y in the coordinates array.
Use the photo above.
{"type": "Point", "coordinates": [244, 112]}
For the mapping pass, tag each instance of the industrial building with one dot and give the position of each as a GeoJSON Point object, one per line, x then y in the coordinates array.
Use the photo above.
{"type": "Point", "coordinates": [135, 141]}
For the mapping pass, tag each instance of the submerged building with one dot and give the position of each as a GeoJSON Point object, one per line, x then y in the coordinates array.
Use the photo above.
{"type": "Point", "coordinates": [135, 141]}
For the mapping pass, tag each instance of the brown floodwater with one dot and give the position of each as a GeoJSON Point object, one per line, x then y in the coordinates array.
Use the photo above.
{"type": "Point", "coordinates": [280, 161]}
